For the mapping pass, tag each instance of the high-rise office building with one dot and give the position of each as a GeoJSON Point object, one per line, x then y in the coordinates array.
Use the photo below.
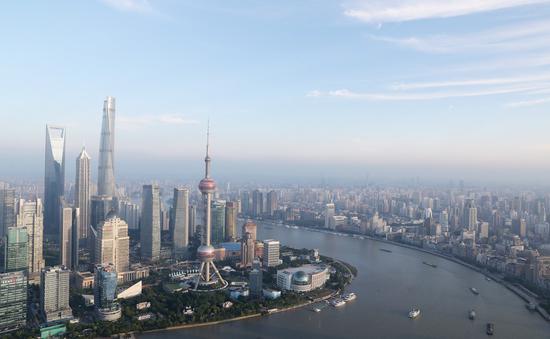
{"type": "Point", "coordinates": [180, 221]}
{"type": "Point", "coordinates": [54, 178]}
{"type": "Point", "coordinates": [113, 243]}
{"type": "Point", "coordinates": [247, 249]}
{"type": "Point", "coordinates": [218, 221]}
{"type": "Point", "coordinates": [150, 223]}
{"type": "Point", "coordinates": [192, 220]}
{"type": "Point", "coordinates": [257, 203]}
{"type": "Point", "coordinates": [82, 192]}
{"type": "Point", "coordinates": [329, 214]}
{"type": "Point", "coordinates": [106, 170]}
{"type": "Point", "coordinates": [470, 215]}
{"type": "Point", "coordinates": [250, 227]}
{"type": "Point", "coordinates": [13, 301]}
{"type": "Point", "coordinates": [271, 253]}
{"type": "Point", "coordinates": [231, 212]}
{"type": "Point", "coordinates": [255, 280]}
{"type": "Point", "coordinates": [130, 213]}
{"type": "Point", "coordinates": [245, 203]}
{"type": "Point", "coordinates": [54, 294]}
{"type": "Point", "coordinates": [101, 205]}
{"type": "Point", "coordinates": [29, 215]}
{"type": "Point", "coordinates": [105, 284]}
{"type": "Point", "coordinates": [16, 253]}
{"type": "Point", "coordinates": [272, 203]}
{"type": "Point", "coordinates": [7, 209]}
{"type": "Point", "coordinates": [68, 235]}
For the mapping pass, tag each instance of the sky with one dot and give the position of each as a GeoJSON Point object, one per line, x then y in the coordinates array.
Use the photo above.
{"type": "Point", "coordinates": [339, 89]}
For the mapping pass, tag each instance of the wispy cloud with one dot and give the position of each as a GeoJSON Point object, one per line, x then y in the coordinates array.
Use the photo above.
{"type": "Point", "coordinates": [528, 103]}
{"type": "Point", "coordinates": [472, 82]}
{"type": "Point", "coordinates": [430, 95]}
{"type": "Point", "coordinates": [521, 37]}
{"type": "Point", "coordinates": [382, 11]}
{"type": "Point", "coordinates": [141, 6]}
{"type": "Point", "coordinates": [165, 119]}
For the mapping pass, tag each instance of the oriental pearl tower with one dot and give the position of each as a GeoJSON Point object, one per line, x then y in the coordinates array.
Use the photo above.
{"type": "Point", "coordinates": [205, 253]}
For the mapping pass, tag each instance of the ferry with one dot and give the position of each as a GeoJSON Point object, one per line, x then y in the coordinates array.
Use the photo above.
{"type": "Point", "coordinates": [429, 264]}
{"type": "Point", "coordinates": [414, 313]}
{"type": "Point", "coordinates": [316, 310]}
{"type": "Point", "coordinates": [472, 314]}
{"type": "Point", "coordinates": [349, 297]}
{"type": "Point", "coordinates": [474, 290]}
{"type": "Point", "coordinates": [490, 328]}
{"type": "Point", "coordinates": [385, 250]}
{"type": "Point", "coordinates": [337, 302]}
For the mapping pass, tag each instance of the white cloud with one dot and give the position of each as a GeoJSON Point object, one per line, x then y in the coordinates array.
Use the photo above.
{"type": "Point", "coordinates": [165, 119]}
{"type": "Point", "coordinates": [142, 6]}
{"type": "Point", "coordinates": [381, 11]}
{"type": "Point", "coordinates": [521, 37]}
{"type": "Point", "coordinates": [528, 103]}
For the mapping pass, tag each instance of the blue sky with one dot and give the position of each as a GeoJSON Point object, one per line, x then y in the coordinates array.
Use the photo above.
{"type": "Point", "coordinates": [437, 89]}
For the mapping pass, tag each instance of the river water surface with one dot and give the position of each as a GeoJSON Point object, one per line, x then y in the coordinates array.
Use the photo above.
{"type": "Point", "coordinates": [387, 286]}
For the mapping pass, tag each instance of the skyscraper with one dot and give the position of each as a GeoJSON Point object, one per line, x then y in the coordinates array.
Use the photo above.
{"type": "Point", "coordinates": [105, 280]}
{"type": "Point", "coordinates": [106, 170]}
{"type": "Point", "coordinates": [272, 203]}
{"type": "Point", "coordinates": [54, 178]}
{"type": "Point", "coordinates": [66, 236]}
{"type": "Point", "coordinates": [231, 211]}
{"type": "Point", "coordinates": [329, 213]}
{"type": "Point", "coordinates": [54, 294]}
{"type": "Point", "coordinates": [205, 252]}
{"type": "Point", "coordinates": [218, 221]}
{"type": "Point", "coordinates": [257, 203]}
{"type": "Point", "coordinates": [150, 223]}
{"type": "Point", "coordinates": [113, 243]}
{"type": "Point", "coordinates": [271, 253]}
{"type": "Point", "coordinates": [82, 192]}
{"type": "Point", "coordinates": [247, 249]}
{"type": "Point", "coordinates": [16, 249]}
{"type": "Point", "coordinates": [29, 215]}
{"type": "Point", "coordinates": [192, 220]}
{"type": "Point", "coordinates": [13, 301]}
{"type": "Point", "coordinates": [7, 209]}
{"type": "Point", "coordinates": [245, 203]}
{"type": "Point", "coordinates": [470, 215]}
{"type": "Point", "coordinates": [250, 227]}
{"type": "Point", "coordinates": [180, 221]}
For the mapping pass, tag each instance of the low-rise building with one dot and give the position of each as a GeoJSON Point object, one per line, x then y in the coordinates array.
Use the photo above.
{"type": "Point", "coordinates": [304, 278]}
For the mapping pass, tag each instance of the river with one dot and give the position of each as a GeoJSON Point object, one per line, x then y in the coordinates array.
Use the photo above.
{"type": "Point", "coordinates": [388, 285]}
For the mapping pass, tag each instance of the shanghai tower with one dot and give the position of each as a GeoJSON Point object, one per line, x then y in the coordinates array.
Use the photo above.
{"type": "Point", "coordinates": [106, 172]}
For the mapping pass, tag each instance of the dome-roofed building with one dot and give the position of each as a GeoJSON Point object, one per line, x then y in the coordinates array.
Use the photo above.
{"type": "Point", "coordinates": [302, 279]}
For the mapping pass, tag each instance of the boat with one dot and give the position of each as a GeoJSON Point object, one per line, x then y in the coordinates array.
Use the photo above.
{"type": "Point", "coordinates": [490, 328]}
{"type": "Point", "coordinates": [316, 310]}
{"type": "Point", "coordinates": [385, 250]}
{"type": "Point", "coordinates": [349, 297]}
{"type": "Point", "coordinates": [487, 278]}
{"type": "Point", "coordinates": [472, 314]}
{"type": "Point", "coordinates": [429, 264]}
{"type": "Point", "coordinates": [414, 313]}
{"type": "Point", "coordinates": [337, 302]}
{"type": "Point", "coordinates": [474, 290]}
{"type": "Point", "coordinates": [531, 306]}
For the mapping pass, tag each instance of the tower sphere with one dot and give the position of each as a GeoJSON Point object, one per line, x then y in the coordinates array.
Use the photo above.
{"type": "Point", "coordinates": [207, 185]}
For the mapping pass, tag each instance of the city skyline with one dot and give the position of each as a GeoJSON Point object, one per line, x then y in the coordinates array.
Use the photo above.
{"type": "Point", "coordinates": [447, 93]}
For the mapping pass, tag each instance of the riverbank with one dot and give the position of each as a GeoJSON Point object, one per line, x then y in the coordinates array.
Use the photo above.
{"type": "Point", "coordinates": [527, 296]}
{"type": "Point", "coordinates": [250, 316]}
